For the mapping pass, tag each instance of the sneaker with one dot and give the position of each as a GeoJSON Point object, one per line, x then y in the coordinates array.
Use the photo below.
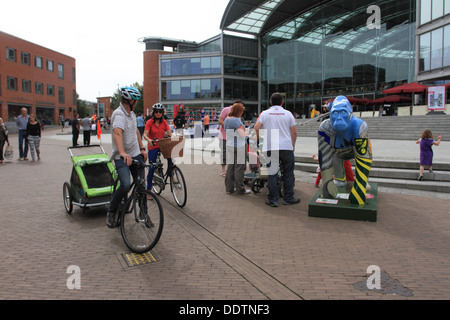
{"type": "Point", "coordinates": [111, 220]}
{"type": "Point", "coordinates": [295, 201]}
{"type": "Point", "coordinates": [20, 159]}
{"type": "Point", "coordinates": [431, 171]}
{"type": "Point", "coordinates": [245, 192]}
{"type": "Point", "coordinates": [420, 178]}
{"type": "Point", "coordinates": [271, 204]}
{"type": "Point", "coordinates": [26, 159]}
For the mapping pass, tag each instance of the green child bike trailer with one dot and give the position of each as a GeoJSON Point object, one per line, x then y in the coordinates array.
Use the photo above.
{"type": "Point", "coordinates": [92, 178]}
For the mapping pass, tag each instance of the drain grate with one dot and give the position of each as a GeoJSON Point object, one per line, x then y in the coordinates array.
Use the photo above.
{"type": "Point", "coordinates": [134, 260]}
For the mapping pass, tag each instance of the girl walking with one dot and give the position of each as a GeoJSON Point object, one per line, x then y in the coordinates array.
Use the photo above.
{"type": "Point", "coordinates": [34, 137]}
{"type": "Point", "coordinates": [426, 152]}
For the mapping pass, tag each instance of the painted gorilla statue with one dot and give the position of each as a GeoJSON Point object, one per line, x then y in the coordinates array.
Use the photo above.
{"type": "Point", "coordinates": [343, 137]}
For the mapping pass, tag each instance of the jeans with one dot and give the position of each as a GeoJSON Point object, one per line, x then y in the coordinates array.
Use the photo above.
{"type": "Point", "coordinates": [152, 154]}
{"type": "Point", "coordinates": [123, 172]}
{"type": "Point", "coordinates": [287, 161]}
{"type": "Point", "coordinates": [23, 151]}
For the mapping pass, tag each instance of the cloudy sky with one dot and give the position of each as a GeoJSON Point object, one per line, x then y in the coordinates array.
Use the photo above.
{"type": "Point", "coordinates": [102, 35]}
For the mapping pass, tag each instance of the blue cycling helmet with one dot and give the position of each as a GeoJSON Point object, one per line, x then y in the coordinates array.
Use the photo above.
{"type": "Point", "coordinates": [130, 93]}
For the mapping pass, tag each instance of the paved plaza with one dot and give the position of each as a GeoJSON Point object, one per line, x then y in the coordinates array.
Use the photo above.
{"type": "Point", "coordinates": [219, 246]}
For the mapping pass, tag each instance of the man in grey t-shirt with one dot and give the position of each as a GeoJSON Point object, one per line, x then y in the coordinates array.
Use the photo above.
{"type": "Point", "coordinates": [86, 125]}
{"type": "Point", "coordinates": [127, 146]}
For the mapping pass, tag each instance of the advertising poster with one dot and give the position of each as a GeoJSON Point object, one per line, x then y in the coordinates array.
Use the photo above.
{"type": "Point", "coordinates": [436, 98]}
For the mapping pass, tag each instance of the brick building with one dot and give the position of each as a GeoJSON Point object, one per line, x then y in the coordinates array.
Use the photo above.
{"type": "Point", "coordinates": [40, 79]}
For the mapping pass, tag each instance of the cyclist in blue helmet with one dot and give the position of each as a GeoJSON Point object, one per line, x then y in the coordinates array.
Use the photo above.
{"type": "Point", "coordinates": [127, 146]}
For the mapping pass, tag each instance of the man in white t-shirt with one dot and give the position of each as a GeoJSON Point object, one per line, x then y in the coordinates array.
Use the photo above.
{"type": "Point", "coordinates": [280, 135]}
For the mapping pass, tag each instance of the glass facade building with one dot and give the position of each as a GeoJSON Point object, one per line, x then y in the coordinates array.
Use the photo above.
{"type": "Point", "coordinates": [337, 48]}
{"type": "Point", "coordinates": [211, 75]}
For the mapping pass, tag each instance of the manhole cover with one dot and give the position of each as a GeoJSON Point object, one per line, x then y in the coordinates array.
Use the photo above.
{"type": "Point", "coordinates": [134, 260]}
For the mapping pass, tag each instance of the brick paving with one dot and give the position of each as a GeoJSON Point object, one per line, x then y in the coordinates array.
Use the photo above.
{"type": "Point", "coordinates": [219, 247]}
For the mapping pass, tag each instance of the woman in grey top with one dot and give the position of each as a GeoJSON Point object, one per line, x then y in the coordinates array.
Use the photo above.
{"type": "Point", "coordinates": [234, 128]}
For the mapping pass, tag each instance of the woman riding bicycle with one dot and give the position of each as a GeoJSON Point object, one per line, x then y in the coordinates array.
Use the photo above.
{"type": "Point", "coordinates": [156, 128]}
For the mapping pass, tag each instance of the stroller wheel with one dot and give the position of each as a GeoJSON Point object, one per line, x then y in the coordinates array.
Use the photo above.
{"type": "Point", "coordinates": [255, 185]}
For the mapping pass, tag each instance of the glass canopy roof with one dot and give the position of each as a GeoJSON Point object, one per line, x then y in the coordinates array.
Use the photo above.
{"type": "Point", "coordinates": [254, 20]}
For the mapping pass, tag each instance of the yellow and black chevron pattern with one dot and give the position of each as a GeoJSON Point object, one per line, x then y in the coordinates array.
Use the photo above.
{"type": "Point", "coordinates": [358, 192]}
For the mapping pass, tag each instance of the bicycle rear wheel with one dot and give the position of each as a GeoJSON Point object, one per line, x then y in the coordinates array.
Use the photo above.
{"type": "Point", "coordinates": [142, 222]}
{"type": "Point", "coordinates": [178, 187]}
{"type": "Point", "coordinates": [158, 181]}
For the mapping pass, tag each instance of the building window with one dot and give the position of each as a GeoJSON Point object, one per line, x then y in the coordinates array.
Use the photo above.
{"type": "Point", "coordinates": [60, 71]}
{"type": "Point", "coordinates": [26, 58]}
{"type": "Point", "coordinates": [50, 65]}
{"type": "Point", "coordinates": [26, 85]}
{"type": "Point", "coordinates": [191, 89]}
{"type": "Point", "coordinates": [61, 97]}
{"type": "Point", "coordinates": [436, 48]}
{"type": "Point", "coordinates": [191, 66]}
{"type": "Point", "coordinates": [73, 76]}
{"type": "Point", "coordinates": [39, 88]}
{"type": "Point", "coordinates": [12, 83]}
{"type": "Point", "coordinates": [51, 90]}
{"type": "Point", "coordinates": [437, 9]}
{"type": "Point", "coordinates": [38, 62]}
{"type": "Point", "coordinates": [11, 54]}
{"type": "Point", "coordinates": [446, 55]}
{"type": "Point", "coordinates": [74, 97]}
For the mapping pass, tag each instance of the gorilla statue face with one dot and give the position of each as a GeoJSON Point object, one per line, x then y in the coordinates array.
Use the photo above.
{"type": "Point", "coordinates": [341, 114]}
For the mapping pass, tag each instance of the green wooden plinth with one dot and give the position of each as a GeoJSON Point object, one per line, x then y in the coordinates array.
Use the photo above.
{"type": "Point", "coordinates": [343, 209]}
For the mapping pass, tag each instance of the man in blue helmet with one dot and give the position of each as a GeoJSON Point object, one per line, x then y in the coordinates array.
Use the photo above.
{"type": "Point", "coordinates": [344, 137]}
{"type": "Point", "coordinates": [127, 146]}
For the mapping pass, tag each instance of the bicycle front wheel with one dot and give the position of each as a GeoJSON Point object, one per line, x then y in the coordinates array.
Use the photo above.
{"type": "Point", "coordinates": [142, 222]}
{"type": "Point", "coordinates": [178, 187]}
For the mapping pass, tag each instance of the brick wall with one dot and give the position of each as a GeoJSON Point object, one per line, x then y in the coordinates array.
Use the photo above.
{"type": "Point", "coordinates": [11, 100]}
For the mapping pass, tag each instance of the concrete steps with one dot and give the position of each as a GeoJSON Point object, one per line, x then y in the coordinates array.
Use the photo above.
{"type": "Point", "coordinates": [396, 174]}
{"type": "Point", "coordinates": [399, 128]}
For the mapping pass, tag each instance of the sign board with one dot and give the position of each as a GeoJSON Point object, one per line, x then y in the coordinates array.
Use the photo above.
{"type": "Point", "coordinates": [436, 98]}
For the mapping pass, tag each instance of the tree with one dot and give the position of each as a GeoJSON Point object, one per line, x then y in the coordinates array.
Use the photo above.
{"type": "Point", "coordinates": [138, 108]}
{"type": "Point", "coordinates": [82, 109]}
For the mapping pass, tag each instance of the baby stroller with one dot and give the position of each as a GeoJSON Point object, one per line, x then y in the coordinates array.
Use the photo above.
{"type": "Point", "coordinates": [92, 179]}
{"type": "Point", "coordinates": [258, 175]}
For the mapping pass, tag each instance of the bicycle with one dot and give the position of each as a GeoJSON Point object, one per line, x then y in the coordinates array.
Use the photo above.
{"type": "Point", "coordinates": [141, 220]}
{"type": "Point", "coordinates": [177, 182]}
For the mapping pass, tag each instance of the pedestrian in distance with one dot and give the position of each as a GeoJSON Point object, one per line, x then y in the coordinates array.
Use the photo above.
{"type": "Point", "coordinates": [426, 142]}
{"type": "Point", "coordinates": [75, 130]}
{"type": "Point", "coordinates": [86, 125]}
{"type": "Point", "coordinates": [279, 144]}
{"type": "Point", "coordinates": [3, 138]}
{"type": "Point", "coordinates": [22, 122]}
{"type": "Point", "coordinates": [34, 137]}
{"type": "Point", "coordinates": [140, 124]}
